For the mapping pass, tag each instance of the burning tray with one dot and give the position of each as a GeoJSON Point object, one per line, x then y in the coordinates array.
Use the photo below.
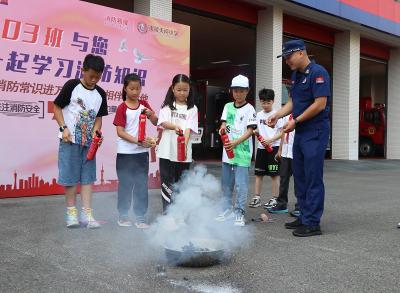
{"type": "Point", "coordinates": [196, 253]}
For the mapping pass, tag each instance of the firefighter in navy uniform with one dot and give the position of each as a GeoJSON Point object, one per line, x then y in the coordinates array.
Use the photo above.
{"type": "Point", "coordinates": [310, 104]}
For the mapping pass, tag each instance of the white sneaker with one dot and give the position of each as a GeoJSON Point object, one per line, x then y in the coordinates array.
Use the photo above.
{"type": "Point", "coordinates": [255, 202]}
{"type": "Point", "coordinates": [239, 220]}
{"type": "Point", "coordinates": [225, 216]}
{"type": "Point", "coordinates": [87, 220]}
{"type": "Point", "coordinates": [271, 203]}
{"type": "Point", "coordinates": [72, 217]}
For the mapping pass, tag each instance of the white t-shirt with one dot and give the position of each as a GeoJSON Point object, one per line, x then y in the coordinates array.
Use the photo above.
{"type": "Point", "coordinates": [129, 119]}
{"type": "Point", "coordinates": [238, 119]}
{"type": "Point", "coordinates": [185, 119]}
{"type": "Point", "coordinates": [265, 131]}
{"type": "Point", "coordinates": [287, 147]}
{"type": "Point", "coordinates": [80, 107]}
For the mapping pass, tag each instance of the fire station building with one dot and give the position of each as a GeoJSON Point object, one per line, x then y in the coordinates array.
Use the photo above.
{"type": "Point", "coordinates": [358, 42]}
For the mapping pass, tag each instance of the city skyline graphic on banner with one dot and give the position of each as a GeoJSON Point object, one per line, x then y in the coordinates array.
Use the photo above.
{"type": "Point", "coordinates": [33, 185]}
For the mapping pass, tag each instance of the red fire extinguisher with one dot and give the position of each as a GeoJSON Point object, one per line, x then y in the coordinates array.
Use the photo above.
{"type": "Point", "coordinates": [225, 139]}
{"type": "Point", "coordinates": [181, 151]}
{"type": "Point", "coordinates": [94, 146]}
{"type": "Point", "coordinates": [260, 139]}
{"type": "Point", "coordinates": [142, 126]}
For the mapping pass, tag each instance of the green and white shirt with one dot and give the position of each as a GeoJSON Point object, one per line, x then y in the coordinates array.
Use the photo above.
{"type": "Point", "coordinates": [238, 120]}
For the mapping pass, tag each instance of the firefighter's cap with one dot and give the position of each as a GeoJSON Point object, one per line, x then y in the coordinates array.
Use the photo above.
{"type": "Point", "coordinates": [292, 46]}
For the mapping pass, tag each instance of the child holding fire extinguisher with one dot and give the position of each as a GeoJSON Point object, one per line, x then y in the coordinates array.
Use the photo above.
{"type": "Point", "coordinates": [266, 164]}
{"type": "Point", "coordinates": [133, 155]}
{"type": "Point", "coordinates": [285, 156]}
{"type": "Point", "coordinates": [238, 122]}
{"type": "Point", "coordinates": [178, 116]}
{"type": "Point", "coordinates": [78, 110]}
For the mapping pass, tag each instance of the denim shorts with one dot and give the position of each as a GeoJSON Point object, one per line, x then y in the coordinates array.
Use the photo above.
{"type": "Point", "coordinates": [73, 168]}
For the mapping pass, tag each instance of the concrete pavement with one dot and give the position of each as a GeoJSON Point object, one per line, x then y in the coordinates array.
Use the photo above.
{"type": "Point", "coordinates": [359, 251]}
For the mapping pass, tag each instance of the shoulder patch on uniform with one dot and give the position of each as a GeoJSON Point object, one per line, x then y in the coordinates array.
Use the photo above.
{"type": "Point", "coordinates": [319, 79]}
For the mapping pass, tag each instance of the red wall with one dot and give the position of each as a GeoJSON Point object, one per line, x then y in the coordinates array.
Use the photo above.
{"type": "Point", "coordinates": [374, 49]}
{"type": "Point", "coordinates": [229, 8]}
{"type": "Point", "coordinates": [308, 30]}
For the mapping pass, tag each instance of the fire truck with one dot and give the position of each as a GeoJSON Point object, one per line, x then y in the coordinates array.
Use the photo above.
{"type": "Point", "coordinates": [371, 127]}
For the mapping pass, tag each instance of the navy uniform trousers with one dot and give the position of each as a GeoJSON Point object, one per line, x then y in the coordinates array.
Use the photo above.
{"type": "Point", "coordinates": [308, 163]}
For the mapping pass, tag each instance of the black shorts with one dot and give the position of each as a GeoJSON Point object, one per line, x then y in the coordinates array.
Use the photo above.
{"type": "Point", "coordinates": [266, 164]}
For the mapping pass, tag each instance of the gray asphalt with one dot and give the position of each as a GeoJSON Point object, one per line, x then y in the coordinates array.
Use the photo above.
{"type": "Point", "coordinates": [358, 252]}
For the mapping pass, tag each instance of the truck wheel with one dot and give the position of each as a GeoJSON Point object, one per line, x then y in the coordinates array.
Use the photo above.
{"type": "Point", "coordinates": [366, 147]}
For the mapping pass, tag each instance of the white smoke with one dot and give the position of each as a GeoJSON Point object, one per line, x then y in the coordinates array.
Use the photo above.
{"type": "Point", "coordinates": [192, 215]}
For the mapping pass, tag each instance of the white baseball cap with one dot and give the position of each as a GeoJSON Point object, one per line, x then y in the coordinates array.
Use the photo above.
{"type": "Point", "coordinates": [240, 81]}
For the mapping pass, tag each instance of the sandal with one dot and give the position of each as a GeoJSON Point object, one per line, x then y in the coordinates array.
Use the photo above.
{"type": "Point", "coordinates": [141, 225]}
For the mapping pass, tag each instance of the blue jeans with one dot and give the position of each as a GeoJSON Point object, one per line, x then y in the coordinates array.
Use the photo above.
{"type": "Point", "coordinates": [132, 172]}
{"type": "Point", "coordinates": [235, 176]}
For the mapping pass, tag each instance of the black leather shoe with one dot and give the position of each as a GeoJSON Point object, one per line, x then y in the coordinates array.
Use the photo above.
{"type": "Point", "coordinates": [307, 231]}
{"type": "Point", "coordinates": [293, 225]}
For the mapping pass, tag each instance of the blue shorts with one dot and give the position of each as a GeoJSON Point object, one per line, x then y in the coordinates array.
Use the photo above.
{"type": "Point", "coordinates": [73, 168]}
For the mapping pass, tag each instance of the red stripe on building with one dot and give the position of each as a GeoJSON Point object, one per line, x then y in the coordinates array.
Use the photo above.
{"type": "Point", "coordinates": [388, 9]}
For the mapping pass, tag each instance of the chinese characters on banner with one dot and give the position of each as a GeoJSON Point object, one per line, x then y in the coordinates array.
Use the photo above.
{"type": "Point", "coordinates": [42, 45]}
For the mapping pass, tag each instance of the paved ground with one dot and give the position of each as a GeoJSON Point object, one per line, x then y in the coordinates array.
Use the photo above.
{"type": "Point", "coordinates": [359, 251]}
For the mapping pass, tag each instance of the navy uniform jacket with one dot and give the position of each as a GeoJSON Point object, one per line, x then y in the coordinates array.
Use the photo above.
{"type": "Point", "coordinates": [314, 82]}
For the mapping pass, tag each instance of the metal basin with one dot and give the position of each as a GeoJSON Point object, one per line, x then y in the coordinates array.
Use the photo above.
{"type": "Point", "coordinates": [197, 252]}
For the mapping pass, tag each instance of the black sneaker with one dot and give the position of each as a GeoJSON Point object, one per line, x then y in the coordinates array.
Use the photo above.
{"type": "Point", "coordinates": [307, 231]}
{"type": "Point", "coordinates": [272, 202]}
{"type": "Point", "coordinates": [279, 208]}
{"type": "Point", "coordinates": [293, 225]}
